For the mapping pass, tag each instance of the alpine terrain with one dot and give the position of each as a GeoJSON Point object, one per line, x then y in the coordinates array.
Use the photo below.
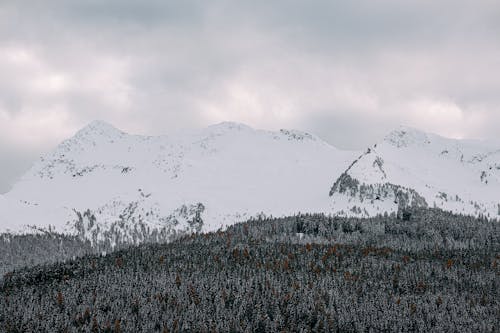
{"type": "Point", "coordinates": [110, 187]}
{"type": "Point", "coordinates": [417, 169]}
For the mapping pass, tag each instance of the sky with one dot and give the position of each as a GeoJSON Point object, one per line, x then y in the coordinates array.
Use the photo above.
{"type": "Point", "coordinates": [347, 71]}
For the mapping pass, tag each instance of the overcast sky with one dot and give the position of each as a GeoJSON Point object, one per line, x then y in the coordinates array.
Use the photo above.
{"type": "Point", "coordinates": [348, 71]}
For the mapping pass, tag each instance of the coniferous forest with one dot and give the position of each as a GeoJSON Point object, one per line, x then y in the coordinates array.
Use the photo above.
{"type": "Point", "coordinates": [420, 271]}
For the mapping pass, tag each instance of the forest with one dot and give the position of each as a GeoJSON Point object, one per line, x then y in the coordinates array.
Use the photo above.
{"type": "Point", "coordinates": [422, 270]}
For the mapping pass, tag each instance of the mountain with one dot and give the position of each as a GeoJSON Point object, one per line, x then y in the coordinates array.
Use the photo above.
{"type": "Point", "coordinates": [413, 168]}
{"type": "Point", "coordinates": [113, 188]}
{"type": "Point", "coordinates": [109, 186]}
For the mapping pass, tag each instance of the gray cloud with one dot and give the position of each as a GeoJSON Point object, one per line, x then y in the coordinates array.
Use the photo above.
{"type": "Point", "coordinates": [346, 70]}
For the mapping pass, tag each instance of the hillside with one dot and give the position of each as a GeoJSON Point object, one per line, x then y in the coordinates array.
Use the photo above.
{"type": "Point", "coordinates": [413, 168]}
{"type": "Point", "coordinates": [108, 186]}
{"type": "Point", "coordinates": [432, 272]}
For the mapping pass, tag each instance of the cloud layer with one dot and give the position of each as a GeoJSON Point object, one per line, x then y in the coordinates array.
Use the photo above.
{"type": "Point", "coordinates": [348, 71]}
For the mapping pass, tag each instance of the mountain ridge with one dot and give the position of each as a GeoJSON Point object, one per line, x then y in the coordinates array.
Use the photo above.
{"type": "Point", "coordinates": [106, 185]}
{"type": "Point", "coordinates": [104, 180]}
{"type": "Point", "coordinates": [461, 176]}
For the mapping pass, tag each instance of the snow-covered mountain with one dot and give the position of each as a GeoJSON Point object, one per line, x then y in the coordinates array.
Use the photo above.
{"type": "Point", "coordinates": [109, 186]}
{"type": "Point", "coordinates": [412, 168]}
{"type": "Point", "coordinates": [112, 187]}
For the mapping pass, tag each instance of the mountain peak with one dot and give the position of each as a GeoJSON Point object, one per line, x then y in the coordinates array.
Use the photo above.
{"type": "Point", "coordinates": [92, 134]}
{"type": "Point", "coordinates": [405, 136]}
{"type": "Point", "coordinates": [229, 126]}
{"type": "Point", "coordinates": [100, 125]}
{"type": "Point", "coordinates": [99, 128]}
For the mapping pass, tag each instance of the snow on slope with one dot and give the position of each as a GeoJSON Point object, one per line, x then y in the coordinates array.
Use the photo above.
{"type": "Point", "coordinates": [412, 168]}
{"type": "Point", "coordinates": [106, 185]}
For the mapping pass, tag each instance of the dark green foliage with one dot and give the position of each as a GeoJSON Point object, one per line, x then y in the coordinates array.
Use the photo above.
{"type": "Point", "coordinates": [17, 251]}
{"type": "Point", "coordinates": [403, 196]}
{"type": "Point", "coordinates": [436, 272]}
{"type": "Point", "coordinates": [345, 183]}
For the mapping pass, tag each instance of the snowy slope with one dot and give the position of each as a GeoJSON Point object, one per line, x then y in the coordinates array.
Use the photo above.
{"type": "Point", "coordinates": [107, 185]}
{"type": "Point", "coordinates": [112, 187]}
{"type": "Point", "coordinates": [410, 167]}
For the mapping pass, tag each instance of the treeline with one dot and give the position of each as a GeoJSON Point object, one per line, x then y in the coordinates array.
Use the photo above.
{"type": "Point", "coordinates": [425, 271]}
